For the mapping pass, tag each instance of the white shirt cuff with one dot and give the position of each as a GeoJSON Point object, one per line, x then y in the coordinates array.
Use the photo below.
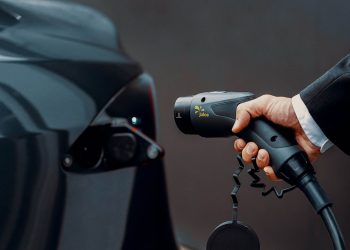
{"type": "Point", "coordinates": [309, 125]}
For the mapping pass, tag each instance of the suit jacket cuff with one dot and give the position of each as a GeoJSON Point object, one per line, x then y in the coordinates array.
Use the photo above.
{"type": "Point", "coordinates": [309, 125]}
{"type": "Point", "coordinates": [327, 100]}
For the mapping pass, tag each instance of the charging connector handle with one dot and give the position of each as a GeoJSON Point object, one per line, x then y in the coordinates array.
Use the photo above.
{"type": "Point", "coordinates": [212, 114]}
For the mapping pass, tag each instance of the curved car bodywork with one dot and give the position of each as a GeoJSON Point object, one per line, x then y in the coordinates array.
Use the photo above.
{"type": "Point", "coordinates": [62, 70]}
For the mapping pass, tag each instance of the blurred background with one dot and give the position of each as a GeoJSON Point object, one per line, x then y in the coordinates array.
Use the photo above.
{"type": "Point", "coordinates": [271, 46]}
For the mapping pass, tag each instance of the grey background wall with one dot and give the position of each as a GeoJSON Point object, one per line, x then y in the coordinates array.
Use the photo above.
{"type": "Point", "coordinates": [268, 46]}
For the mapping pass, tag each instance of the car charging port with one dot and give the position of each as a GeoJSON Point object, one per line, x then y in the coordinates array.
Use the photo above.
{"type": "Point", "coordinates": [112, 145]}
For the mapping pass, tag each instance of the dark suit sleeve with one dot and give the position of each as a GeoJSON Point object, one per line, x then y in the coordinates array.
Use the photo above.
{"type": "Point", "coordinates": [328, 101]}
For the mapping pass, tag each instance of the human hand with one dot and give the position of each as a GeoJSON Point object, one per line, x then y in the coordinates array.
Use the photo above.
{"type": "Point", "coordinates": [278, 110]}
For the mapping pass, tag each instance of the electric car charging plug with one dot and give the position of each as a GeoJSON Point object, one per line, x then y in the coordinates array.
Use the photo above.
{"type": "Point", "coordinates": [212, 114]}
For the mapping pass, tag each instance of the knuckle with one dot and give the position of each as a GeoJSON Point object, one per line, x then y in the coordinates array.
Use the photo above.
{"type": "Point", "coordinates": [240, 144]}
{"type": "Point", "coordinates": [236, 146]}
{"type": "Point", "coordinates": [252, 146]}
{"type": "Point", "coordinates": [246, 157]}
{"type": "Point", "coordinates": [262, 159]}
{"type": "Point", "coordinates": [240, 108]}
{"type": "Point", "coordinates": [266, 98]}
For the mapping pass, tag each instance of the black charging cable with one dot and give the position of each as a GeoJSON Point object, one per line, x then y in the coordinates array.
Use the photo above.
{"type": "Point", "coordinates": [318, 199]}
{"type": "Point", "coordinates": [333, 228]}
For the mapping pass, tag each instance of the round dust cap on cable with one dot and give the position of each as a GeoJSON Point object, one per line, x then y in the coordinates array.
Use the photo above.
{"type": "Point", "coordinates": [233, 236]}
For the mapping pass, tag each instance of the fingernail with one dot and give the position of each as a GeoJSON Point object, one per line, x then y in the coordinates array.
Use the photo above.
{"type": "Point", "coordinates": [235, 125]}
{"type": "Point", "coordinates": [250, 149]}
{"type": "Point", "coordinates": [266, 171]}
{"type": "Point", "coordinates": [261, 156]}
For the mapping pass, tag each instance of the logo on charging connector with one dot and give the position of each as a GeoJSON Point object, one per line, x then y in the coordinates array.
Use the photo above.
{"type": "Point", "coordinates": [200, 111]}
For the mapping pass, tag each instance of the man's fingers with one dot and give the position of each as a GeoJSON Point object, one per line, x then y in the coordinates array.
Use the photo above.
{"type": "Point", "coordinates": [270, 173]}
{"type": "Point", "coordinates": [239, 145]}
{"type": "Point", "coordinates": [249, 151]}
{"type": "Point", "coordinates": [263, 158]}
{"type": "Point", "coordinates": [251, 109]}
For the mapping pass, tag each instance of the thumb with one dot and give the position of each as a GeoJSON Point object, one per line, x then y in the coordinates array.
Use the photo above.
{"type": "Point", "coordinates": [248, 110]}
{"type": "Point", "coordinates": [242, 119]}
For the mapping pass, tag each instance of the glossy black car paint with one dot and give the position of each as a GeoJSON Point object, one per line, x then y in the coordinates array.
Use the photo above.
{"type": "Point", "coordinates": [61, 69]}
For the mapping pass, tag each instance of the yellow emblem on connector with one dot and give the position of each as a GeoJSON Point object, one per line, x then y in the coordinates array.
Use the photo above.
{"type": "Point", "coordinates": [200, 111]}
